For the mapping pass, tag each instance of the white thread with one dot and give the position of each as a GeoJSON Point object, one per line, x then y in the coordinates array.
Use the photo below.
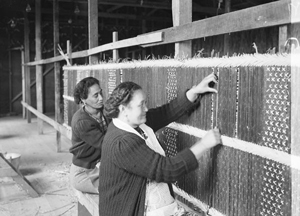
{"type": "Point", "coordinates": [262, 151]}
{"type": "Point", "coordinates": [235, 61]}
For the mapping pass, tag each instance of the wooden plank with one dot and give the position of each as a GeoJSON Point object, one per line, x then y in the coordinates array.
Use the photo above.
{"type": "Point", "coordinates": [93, 28]}
{"type": "Point", "coordinates": [139, 40]}
{"type": "Point", "coordinates": [26, 68]}
{"type": "Point", "coordinates": [115, 51]}
{"type": "Point", "coordinates": [295, 11]}
{"type": "Point", "coordinates": [182, 14]}
{"type": "Point", "coordinates": [63, 130]}
{"type": "Point", "coordinates": [69, 51]}
{"type": "Point", "coordinates": [262, 16]}
{"type": "Point", "coordinates": [17, 176]}
{"type": "Point", "coordinates": [38, 68]}
{"type": "Point", "coordinates": [80, 54]}
{"type": "Point", "coordinates": [282, 38]}
{"type": "Point", "coordinates": [135, 41]}
{"type": "Point", "coordinates": [45, 61]}
{"type": "Point", "coordinates": [295, 125]}
{"type": "Point", "coordinates": [23, 82]}
{"type": "Point", "coordinates": [90, 201]}
{"type": "Point", "coordinates": [57, 84]}
{"type": "Point", "coordinates": [227, 36]}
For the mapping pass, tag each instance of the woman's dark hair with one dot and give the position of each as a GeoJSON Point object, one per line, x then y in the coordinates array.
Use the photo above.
{"type": "Point", "coordinates": [122, 94]}
{"type": "Point", "coordinates": [81, 89]}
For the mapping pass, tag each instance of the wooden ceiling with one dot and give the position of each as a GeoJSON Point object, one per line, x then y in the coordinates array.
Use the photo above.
{"type": "Point", "coordinates": [152, 10]}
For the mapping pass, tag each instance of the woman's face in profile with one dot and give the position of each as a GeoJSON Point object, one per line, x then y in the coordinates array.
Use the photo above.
{"type": "Point", "coordinates": [136, 109]}
{"type": "Point", "coordinates": [94, 99]}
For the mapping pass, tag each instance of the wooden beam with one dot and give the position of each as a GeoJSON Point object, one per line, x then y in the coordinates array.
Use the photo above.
{"type": "Point", "coordinates": [182, 14]}
{"type": "Point", "coordinates": [295, 11]}
{"type": "Point", "coordinates": [164, 5]}
{"type": "Point", "coordinates": [9, 75]}
{"type": "Point", "coordinates": [110, 15]}
{"type": "Point", "coordinates": [23, 82]}
{"type": "Point", "coordinates": [135, 41]}
{"type": "Point", "coordinates": [282, 37]}
{"type": "Point", "coordinates": [62, 129]}
{"type": "Point", "coordinates": [139, 40]}
{"type": "Point", "coordinates": [38, 68]}
{"type": "Point", "coordinates": [7, 170]}
{"type": "Point", "coordinates": [26, 68]}
{"type": "Point", "coordinates": [295, 135]}
{"type": "Point", "coordinates": [57, 82]}
{"type": "Point", "coordinates": [144, 30]}
{"type": "Point", "coordinates": [93, 28]}
{"type": "Point", "coordinates": [227, 36]}
{"type": "Point", "coordinates": [266, 15]}
{"type": "Point", "coordinates": [295, 107]}
{"type": "Point", "coordinates": [115, 51]}
{"type": "Point", "coordinates": [45, 61]}
{"type": "Point", "coordinates": [69, 51]}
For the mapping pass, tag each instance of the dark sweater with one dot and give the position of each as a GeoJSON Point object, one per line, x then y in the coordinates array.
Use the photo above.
{"type": "Point", "coordinates": [87, 137]}
{"type": "Point", "coordinates": [127, 162]}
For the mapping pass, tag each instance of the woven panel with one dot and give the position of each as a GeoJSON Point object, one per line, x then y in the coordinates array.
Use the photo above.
{"type": "Point", "coordinates": [275, 194]}
{"type": "Point", "coordinates": [253, 105]}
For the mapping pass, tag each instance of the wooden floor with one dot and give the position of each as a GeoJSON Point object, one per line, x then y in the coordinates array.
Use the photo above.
{"type": "Point", "coordinates": [45, 169]}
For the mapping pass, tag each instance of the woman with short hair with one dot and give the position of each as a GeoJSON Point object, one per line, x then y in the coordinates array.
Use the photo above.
{"type": "Point", "coordinates": [135, 174]}
{"type": "Point", "coordinates": [88, 129]}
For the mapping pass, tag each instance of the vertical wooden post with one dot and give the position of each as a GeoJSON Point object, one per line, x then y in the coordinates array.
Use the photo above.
{"type": "Point", "coordinates": [93, 28]}
{"type": "Point", "coordinates": [295, 107]}
{"type": "Point", "coordinates": [9, 75]}
{"type": "Point", "coordinates": [227, 36]}
{"type": "Point", "coordinates": [144, 30]}
{"type": "Point", "coordinates": [182, 14]}
{"type": "Point", "coordinates": [23, 81]}
{"type": "Point", "coordinates": [295, 135]}
{"type": "Point", "coordinates": [282, 37]}
{"type": "Point", "coordinates": [57, 84]}
{"type": "Point", "coordinates": [115, 51]}
{"type": "Point", "coordinates": [69, 51]}
{"type": "Point", "coordinates": [26, 68]}
{"type": "Point", "coordinates": [39, 69]}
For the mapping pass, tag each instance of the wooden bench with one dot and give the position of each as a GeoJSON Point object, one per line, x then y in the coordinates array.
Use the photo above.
{"type": "Point", "coordinates": [87, 204]}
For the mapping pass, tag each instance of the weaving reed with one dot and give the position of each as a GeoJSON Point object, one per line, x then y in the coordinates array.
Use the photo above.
{"type": "Point", "coordinates": [251, 173]}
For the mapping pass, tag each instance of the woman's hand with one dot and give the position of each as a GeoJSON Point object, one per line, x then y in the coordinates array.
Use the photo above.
{"type": "Point", "coordinates": [202, 87]}
{"type": "Point", "coordinates": [211, 139]}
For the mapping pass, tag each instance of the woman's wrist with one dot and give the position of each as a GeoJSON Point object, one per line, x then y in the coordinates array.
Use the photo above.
{"type": "Point", "coordinates": [198, 149]}
{"type": "Point", "coordinates": [191, 94]}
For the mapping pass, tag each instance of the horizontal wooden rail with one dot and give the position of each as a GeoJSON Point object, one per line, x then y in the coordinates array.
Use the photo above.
{"type": "Point", "coordinates": [289, 160]}
{"type": "Point", "coordinates": [139, 40]}
{"type": "Point", "coordinates": [45, 61]}
{"type": "Point", "coordinates": [60, 128]}
{"type": "Point", "coordinates": [262, 16]}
